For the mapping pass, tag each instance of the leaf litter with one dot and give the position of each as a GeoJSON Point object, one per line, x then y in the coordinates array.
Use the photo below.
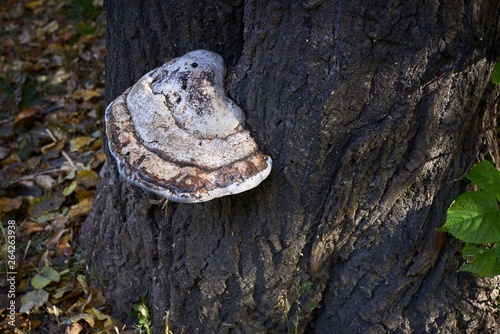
{"type": "Point", "coordinates": [51, 106]}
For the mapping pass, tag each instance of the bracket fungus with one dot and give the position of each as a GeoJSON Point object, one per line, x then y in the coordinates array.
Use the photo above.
{"type": "Point", "coordinates": [177, 134]}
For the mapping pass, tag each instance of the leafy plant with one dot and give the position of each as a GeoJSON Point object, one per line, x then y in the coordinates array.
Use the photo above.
{"type": "Point", "coordinates": [474, 218]}
{"type": "Point", "coordinates": [285, 305]}
{"type": "Point", "coordinates": [141, 312]}
{"type": "Point", "coordinates": [495, 76]}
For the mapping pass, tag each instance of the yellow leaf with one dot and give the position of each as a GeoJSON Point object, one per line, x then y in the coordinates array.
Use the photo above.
{"type": "Point", "coordinates": [76, 144]}
{"type": "Point", "coordinates": [70, 189]}
{"type": "Point", "coordinates": [81, 209]}
{"type": "Point", "coordinates": [85, 95]}
{"type": "Point", "coordinates": [61, 76]}
{"type": "Point", "coordinates": [34, 4]}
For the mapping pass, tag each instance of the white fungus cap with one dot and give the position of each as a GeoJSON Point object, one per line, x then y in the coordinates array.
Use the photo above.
{"type": "Point", "coordinates": [177, 134]}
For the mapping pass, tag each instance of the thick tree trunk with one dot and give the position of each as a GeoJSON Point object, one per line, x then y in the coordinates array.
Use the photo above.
{"type": "Point", "coordinates": [372, 114]}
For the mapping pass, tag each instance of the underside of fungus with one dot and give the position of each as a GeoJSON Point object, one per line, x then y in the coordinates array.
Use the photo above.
{"type": "Point", "coordinates": [177, 134]}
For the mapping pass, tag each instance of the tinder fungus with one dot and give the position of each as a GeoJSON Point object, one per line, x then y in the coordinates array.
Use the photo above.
{"type": "Point", "coordinates": [177, 134]}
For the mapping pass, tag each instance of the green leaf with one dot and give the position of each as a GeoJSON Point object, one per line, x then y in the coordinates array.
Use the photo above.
{"type": "Point", "coordinates": [495, 76]}
{"type": "Point", "coordinates": [306, 286]}
{"type": "Point", "coordinates": [474, 218]}
{"type": "Point", "coordinates": [45, 277]}
{"type": "Point", "coordinates": [486, 177]}
{"type": "Point", "coordinates": [486, 261]}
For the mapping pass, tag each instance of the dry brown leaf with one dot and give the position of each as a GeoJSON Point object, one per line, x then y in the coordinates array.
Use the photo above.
{"type": "Point", "coordinates": [53, 150]}
{"type": "Point", "coordinates": [9, 204]}
{"type": "Point", "coordinates": [26, 115]}
{"type": "Point", "coordinates": [64, 248]}
{"type": "Point", "coordinates": [30, 227]}
{"type": "Point", "coordinates": [74, 327]}
{"type": "Point", "coordinates": [97, 160]}
{"type": "Point", "coordinates": [55, 237]}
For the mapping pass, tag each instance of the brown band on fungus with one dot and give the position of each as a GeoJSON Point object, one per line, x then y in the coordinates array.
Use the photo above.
{"type": "Point", "coordinates": [193, 150]}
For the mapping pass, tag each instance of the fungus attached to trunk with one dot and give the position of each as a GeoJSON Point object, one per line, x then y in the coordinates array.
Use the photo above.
{"type": "Point", "coordinates": [177, 134]}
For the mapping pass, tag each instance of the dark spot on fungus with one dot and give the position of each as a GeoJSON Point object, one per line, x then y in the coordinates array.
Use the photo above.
{"type": "Point", "coordinates": [191, 152]}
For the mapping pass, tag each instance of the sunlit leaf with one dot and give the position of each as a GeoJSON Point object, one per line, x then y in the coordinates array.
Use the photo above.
{"type": "Point", "coordinates": [34, 4]}
{"type": "Point", "coordinates": [85, 95]}
{"type": "Point", "coordinates": [70, 189]}
{"type": "Point", "coordinates": [486, 177]}
{"type": "Point", "coordinates": [60, 77]}
{"type": "Point", "coordinates": [474, 217]}
{"type": "Point", "coordinates": [81, 209]}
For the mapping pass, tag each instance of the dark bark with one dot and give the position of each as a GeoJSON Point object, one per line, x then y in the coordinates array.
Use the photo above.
{"type": "Point", "coordinates": [372, 114]}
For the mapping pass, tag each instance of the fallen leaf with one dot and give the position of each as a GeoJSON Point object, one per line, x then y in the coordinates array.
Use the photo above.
{"type": "Point", "coordinates": [78, 143]}
{"type": "Point", "coordinates": [53, 150]}
{"type": "Point", "coordinates": [89, 318]}
{"type": "Point", "coordinates": [52, 27]}
{"type": "Point", "coordinates": [42, 205]}
{"type": "Point", "coordinates": [45, 181]}
{"type": "Point", "coordinates": [61, 76]}
{"type": "Point", "coordinates": [33, 299]}
{"type": "Point", "coordinates": [87, 178]}
{"type": "Point", "coordinates": [26, 115]}
{"type": "Point", "coordinates": [68, 290]}
{"type": "Point", "coordinates": [44, 277]}
{"type": "Point", "coordinates": [55, 237]}
{"type": "Point", "coordinates": [97, 159]}
{"type": "Point", "coordinates": [34, 4]}
{"type": "Point", "coordinates": [9, 204]}
{"type": "Point", "coordinates": [74, 328]}
{"type": "Point", "coordinates": [30, 227]}
{"type": "Point", "coordinates": [85, 95]}
{"type": "Point", "coordinates": [108, 320]}
{"type": "Point", "coordinates": [70, 189]}
{"type": "Point", "coordinates": [81, 209]}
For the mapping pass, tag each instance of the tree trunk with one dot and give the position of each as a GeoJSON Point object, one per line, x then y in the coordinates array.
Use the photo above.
{"type": "Point", "coordinates": [372, 114]}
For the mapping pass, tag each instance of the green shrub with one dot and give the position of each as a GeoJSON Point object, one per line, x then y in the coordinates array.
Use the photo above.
{"type": "Point", "coordinates": [475, 219]}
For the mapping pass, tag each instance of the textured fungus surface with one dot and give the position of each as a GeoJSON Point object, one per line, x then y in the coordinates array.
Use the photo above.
{"type": "Point", "coordinates": [176, 133]}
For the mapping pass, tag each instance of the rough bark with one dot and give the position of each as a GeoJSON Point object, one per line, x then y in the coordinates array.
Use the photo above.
{"type": "Point", "coordinates": [372, 113]}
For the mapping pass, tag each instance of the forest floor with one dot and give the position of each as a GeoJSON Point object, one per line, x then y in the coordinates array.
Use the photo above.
{"type": "Point", "coordinates": [51, 107]}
